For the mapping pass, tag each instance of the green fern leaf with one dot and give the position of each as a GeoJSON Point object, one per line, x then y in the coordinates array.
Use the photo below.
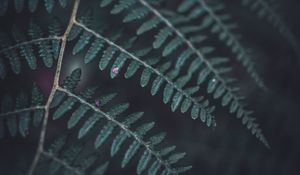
{"type": "Point", "coordinates": [161, 37]}
{"type": "Point", "coordinates": [44, 48]}
{"type": "Point", "coordinates": [143, 162]}
{"type": "Point", "coordinates": [104, 134]}
{"type": "Point", "coordinates": [118, 109]}
{"type": "Point", "coordinates": [105, 3]}
{"type": "Point", "coordinates": [19, 5]}
{"type": "Point", "coordinates": [132, 69]}
{"type": "Point", "coordinates": [96, 47]}
{"type": "Point", "coordinates": [88, 125]}
{"type": "Point", "coordinates": [145, 77]}
{"type": "Point", "coordinates": [101, 170]}
{"type": "Point", "coordinates": [66, 106]}
{"type": "Point", "coordinates": [133, 148]}
{"type": "Point", "coordinates": [32, 5]}
{"type": "Point", "coordinates": [26, 50]}
{"type": "Point", "coordinates": [71, 81]}
{"type": "Point", "coordinates": [107, 56]}
{"type": "Point", "coordinates": [154, 168]}
{"type": "Point", "coordinates": [49, 4]}
{"type": "Point", "coordinates": [83, 41]}
{"type": "Point", "coordinates": [63, 3]}
{"type": "Point", "coordinates": [148, 25]}
{"type": "Point", "coordinates": [118, 141]}
{"type": "Point", "coordinates": [172, 45]}
{"type": "Point", "coordinates": [118, 64]}
{"type": "Point", "coordinates": [77, 115]}
{"type": "Point", "coordinates": [122, 5]}
{"type": "Point", "coordinates": [54, 31]}
{"type": "Point", "coordinates": [135, 14]}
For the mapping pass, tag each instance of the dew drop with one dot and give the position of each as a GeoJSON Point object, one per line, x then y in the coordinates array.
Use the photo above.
{"type": "Point", "coordinates": [97, 103]}
{"type": "Point", "coordinates": [115, 70]}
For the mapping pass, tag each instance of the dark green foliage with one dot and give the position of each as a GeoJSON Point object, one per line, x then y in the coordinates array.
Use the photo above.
{"type": "Point", "coordinates": [219, 22]}
{"type": "Point", "coordinates": [209, 70]}
{"type": "Point", "coordinates": [166, 79]}
{"type": "Point", "coordinates": [106, 122]}
{"type": "Point", "coordinates": [31, 5]}
{"type": "Point", "coordinates": [31, 47]}
{"type": "Point", "coordinates": [168, 49]}
{"type": "Point", "coordinates": [18, 112]}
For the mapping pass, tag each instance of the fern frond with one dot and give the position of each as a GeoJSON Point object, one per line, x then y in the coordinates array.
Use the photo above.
{"type": "Point", "coordinates": [22, 47]}
{"type": "Point", "coordinates": [110, 116]}
{"type": "Point", "coordinates": [62, 157]}
{"type": "Point", "coordinates": [18, 113]}
{"type": "Point", "coordinates": [264, 10]}
{"type": "Point", "coordinates": [32, 5]}
{"type": "Point", "coordinates": [217, 84]}
{"type": "Point", "coordinates": [218, 23]}
{"type": "Point", "coordinates": [174, 85]}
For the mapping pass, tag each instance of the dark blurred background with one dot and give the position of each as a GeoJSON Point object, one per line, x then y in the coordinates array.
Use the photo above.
{"type": "Point", "coordinates": [229, 149]}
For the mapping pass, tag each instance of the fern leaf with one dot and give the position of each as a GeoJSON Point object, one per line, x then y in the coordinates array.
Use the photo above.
{"type": "Point", "coordinates": [96, 47]}
{"type": "Point", "coordinates": [171, 46]}
{"type": "Point", "coordinates": [12, 55]}
{"type": "Point", "coordinates": [71, 81]}
{"type": "Point", "coordinates": [170, 80]}
{"type": "Point", "coordinates": [49, 4]}
{"type": "Point", "coordinates": [104, 134]}
{"type": "Point", "coordinates": [88, 125]}
{"type": "Point", "coordinates": [26, 50]}
{"type": "Point", "coordinates": [122, 5]}
{"type": "Point", "coordinates": [101, 169]}
{"type": "Point", "coordinates": [65, 107]}
{"type": "Point", "coordinates": [19, 5]}
{"type": "Point", "coordinates": [148, 25]}
{"type": "Point", "coordinates": [63, 3]}
{"type": "Point", "coordinates": [118, 141]}
{"type": "Point", "coordinates": [125, 131]}
{"type": "Point", "coordinates": [105, 3]}
{"type": "Point", "coordinates": [135, 14]}
{"type": "Point", "coordinates": [54, 31]}
{"type": "Point", "coordinates": [77, 115]}
{"type": "Point", "coordinates": [32, 5]}
{"type": "Point", "coordinates": [82, 42]}
{"type": "Point", "coordinates": [37, 99]}
{"type": "Point", "coordinates": [44, 47]}
{"type": "Point", "coordinates": [143, 162]}
{"type": "Point", "coordinates": [20, 112]}
{"type": "Point", "coordinates": [133, 148]}
{"type": "Point", "coordinates": [161, 37]}
{"type": "Point", "coordinates": [107, 56]}
{"type": "Point", "coordinates": [154, 168]}
{"type": "Point", "coordinates": [220, 27]}
{"type": "Point", "coordinates": [118, 64]}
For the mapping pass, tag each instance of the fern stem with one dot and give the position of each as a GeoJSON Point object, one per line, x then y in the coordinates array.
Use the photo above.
{"type": "Point", "coordinates": [123, 127]}
{"type": "Point", "coordinates": [30, 42]}
{"type": "Point", "coordinates": [233, 38]}
{"type": "Point", "coordinates": [21, 110]}
{"type": "Point", "coordinates": [54, 87]}
{"type": "Point", "coordinates": [141, 62]}
{"type": "Point", "coordinates": [61, 162]}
